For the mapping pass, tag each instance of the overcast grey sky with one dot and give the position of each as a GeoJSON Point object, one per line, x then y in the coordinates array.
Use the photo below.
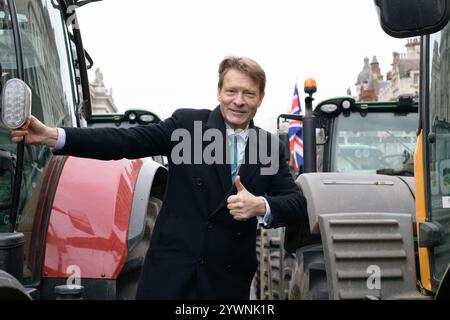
{"type": "Point", "coordinates": [163, 55]}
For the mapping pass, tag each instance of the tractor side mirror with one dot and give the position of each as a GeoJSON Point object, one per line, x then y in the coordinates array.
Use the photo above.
{"type": "Point", "coordinates": [409, 18]}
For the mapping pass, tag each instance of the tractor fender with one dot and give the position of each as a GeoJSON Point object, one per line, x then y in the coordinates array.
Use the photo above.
{"type": "Point", "coordinates": [152, 180]}
{"type": "Point", "coordinates": [366, 226]}
{"type": "Point", "coordinates": [329, 193]}
{"type": "Point", "coordinates": [87, 233]}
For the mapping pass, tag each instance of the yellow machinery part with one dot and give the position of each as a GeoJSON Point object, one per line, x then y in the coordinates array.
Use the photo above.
{"type": "Point", "coordinates": [421, 215]}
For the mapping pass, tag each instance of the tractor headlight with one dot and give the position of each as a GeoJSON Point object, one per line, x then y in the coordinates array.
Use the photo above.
{"type": "Point", "coordinates": [329, 108]}
{"type": "Point", "coordinates": [346, 104]}
{"type": "Point", "coordinates": [16, 104]}
{"type": "Point", "coordinates": [146, 118]}
{"type": "Point", "coordinates": [132, 116]}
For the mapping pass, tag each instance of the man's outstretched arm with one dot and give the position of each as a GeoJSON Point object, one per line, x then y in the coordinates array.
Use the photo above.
{"type": "Point", "coordinates": [102, 143]}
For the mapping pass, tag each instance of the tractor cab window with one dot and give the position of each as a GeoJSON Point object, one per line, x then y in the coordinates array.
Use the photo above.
{"type": "Point", "coordinates": [47, 60]}
{"type": "Point", "coordinates": [8, 62]}
{"type": "Point", "coordinates": [439, 151]}
{"type": "Point", "coordinates": [375, 142]}
{"type": "Point", "coordinates": [8, 67]}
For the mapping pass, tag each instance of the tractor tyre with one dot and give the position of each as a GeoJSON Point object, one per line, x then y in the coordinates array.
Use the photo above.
{"type": "Point", "coordinates": [257, 278]}
{"type": "Point", "coordinates": [310, 279]}
{"type": "Point", "coordinates": [275, 273]}
{"type": "Point", "coordinates": [127, 281]}
{"type": "Point", "coordinates": [256, 283]}
{"type": "Point", "coordinates": [288, 267]}
{"type": "Point", "coordinates": [281, 265]}
{"type": "Point", "coordinates": [11, 288]}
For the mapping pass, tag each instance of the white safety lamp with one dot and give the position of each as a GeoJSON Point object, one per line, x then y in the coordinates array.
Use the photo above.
{"type": "Point", "coordinates": [132, 116]}
{"type": "Point", "coordinates": [146, 118]}
{"type": "Point", "coordinates": [329, 108]}
{"type": "Point", "coordinates": [16, 104]}
{"type": "Point", "coordinates": [346, 104]}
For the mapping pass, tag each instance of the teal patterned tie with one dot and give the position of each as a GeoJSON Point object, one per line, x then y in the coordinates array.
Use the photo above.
{"type": "Point", "coordinates": [234, 158]}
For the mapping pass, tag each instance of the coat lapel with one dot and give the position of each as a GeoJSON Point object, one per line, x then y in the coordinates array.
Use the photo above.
{"type": "Point", "coordinates": [246, 170]}
{"type": "Point", "coordinates": [223, 170]}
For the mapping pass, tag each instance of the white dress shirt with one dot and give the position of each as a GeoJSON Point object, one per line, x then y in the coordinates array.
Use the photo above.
{"type": "Point", "coordinates": [61, 140]}
{"type": "Point", "coordinates": [242, 136]}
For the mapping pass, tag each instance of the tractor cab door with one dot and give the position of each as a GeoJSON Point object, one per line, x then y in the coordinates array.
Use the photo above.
{"type": "Point", "coordinates": [435, 232]}
{"type": "Point", "coordinates": [429, 19]}
{"type": "Point", "coordinates": [8, 70]}
{"type": "Point", "coordinates": [35, 47]}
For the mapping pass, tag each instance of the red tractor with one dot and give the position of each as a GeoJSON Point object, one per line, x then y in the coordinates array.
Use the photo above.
{"type": "Point", "coordinates": [69, 227]}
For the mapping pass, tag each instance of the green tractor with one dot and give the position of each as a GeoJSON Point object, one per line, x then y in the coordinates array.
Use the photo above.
{"type": "Point", "coordinates": [351, 138]}
{"type": "Point", "coordinates": [380, 236]}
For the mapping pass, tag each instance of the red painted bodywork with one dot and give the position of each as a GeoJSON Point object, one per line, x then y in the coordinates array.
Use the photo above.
{"type": "Point", "coordinates": [88, 226]}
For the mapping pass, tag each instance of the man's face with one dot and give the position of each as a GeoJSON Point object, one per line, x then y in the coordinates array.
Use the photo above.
{"type": "Point", "coordinates": [239, 99]}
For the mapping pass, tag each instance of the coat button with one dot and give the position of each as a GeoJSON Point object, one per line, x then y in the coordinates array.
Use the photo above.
{"type": "Point", "coordinates": [199, 182]}
{"type": "Point", "coordinates": [210, 226]}
{"type": "Point", "coordinates": [201, 261]}
{"type": "Point", "coordinates": [239, 234]}
{"type": "Point", "coordinates": [228, 266]}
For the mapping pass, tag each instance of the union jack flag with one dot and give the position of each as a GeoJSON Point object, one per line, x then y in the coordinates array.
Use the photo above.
{"type": "Point", "coordinates": [295, 133]}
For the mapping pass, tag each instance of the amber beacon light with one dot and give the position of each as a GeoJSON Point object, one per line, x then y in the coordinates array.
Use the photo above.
{"type": "Point", "coordinates": [310, 86]}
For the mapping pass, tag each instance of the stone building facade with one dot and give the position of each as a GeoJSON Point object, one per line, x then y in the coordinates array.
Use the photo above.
{"type": "Point", "coordinates": [401, 80]}
{"type": "Point", "coordinates": [101, 98]}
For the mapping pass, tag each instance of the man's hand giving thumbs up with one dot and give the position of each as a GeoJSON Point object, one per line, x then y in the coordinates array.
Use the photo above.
{"type": "Point", "coordinates": [245, 205]}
